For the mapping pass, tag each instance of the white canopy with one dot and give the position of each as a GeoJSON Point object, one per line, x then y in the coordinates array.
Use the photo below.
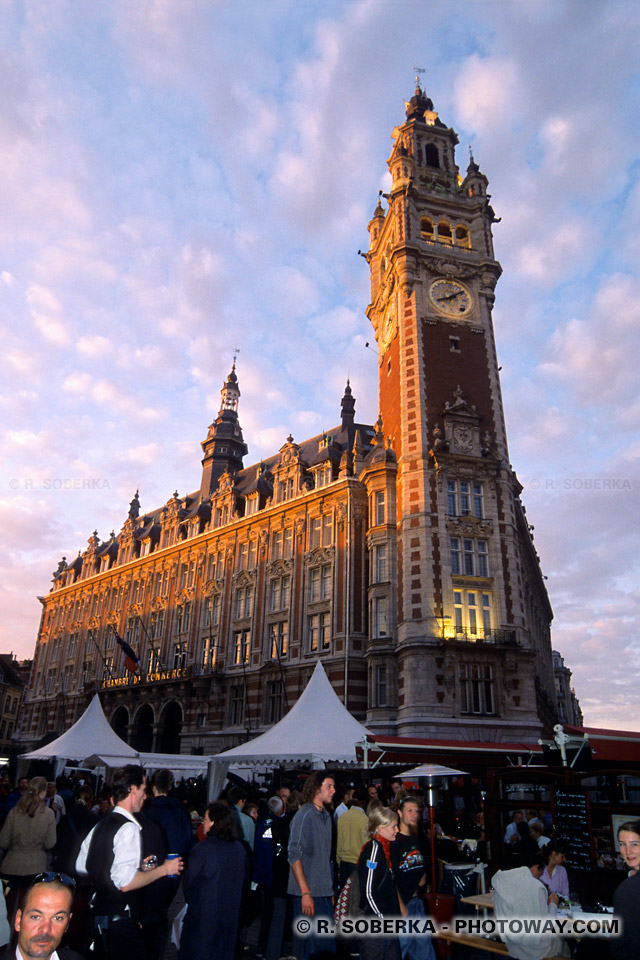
{"type": "Point", "coordinates": [318, 730]}
{"type": "Point", "coordinates": [92, 740]}
{"type": "Point", "coordinates": [90, 734]}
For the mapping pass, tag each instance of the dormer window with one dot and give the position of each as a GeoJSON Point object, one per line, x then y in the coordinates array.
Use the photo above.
{"type": "Point", "coordinates": [323, 476]}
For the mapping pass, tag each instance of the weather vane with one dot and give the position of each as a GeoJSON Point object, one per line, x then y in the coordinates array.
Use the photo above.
{"type": "Point", "coordinates": [418, 71]}
{"type": "Point", "coordinates": [235, 355]}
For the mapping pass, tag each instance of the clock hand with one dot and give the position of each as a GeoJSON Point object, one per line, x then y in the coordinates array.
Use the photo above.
{"type": "Point", "coordinates": [450, 296]}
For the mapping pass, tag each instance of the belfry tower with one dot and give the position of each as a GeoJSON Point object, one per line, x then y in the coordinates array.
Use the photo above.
{"type": "Point", "coordinates": [472, 616]}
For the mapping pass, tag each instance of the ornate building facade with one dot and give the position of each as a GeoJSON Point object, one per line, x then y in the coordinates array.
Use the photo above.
{"type": "Point", "coordinates": [399, 553]}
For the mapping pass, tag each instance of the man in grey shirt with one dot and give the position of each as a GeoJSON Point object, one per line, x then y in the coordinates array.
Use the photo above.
{"type": "Point", "coordinates": [309, 853]}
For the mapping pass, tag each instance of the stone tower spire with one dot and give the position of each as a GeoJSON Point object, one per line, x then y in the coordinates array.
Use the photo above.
{"type": "Point", "coordinates": [224, 446]}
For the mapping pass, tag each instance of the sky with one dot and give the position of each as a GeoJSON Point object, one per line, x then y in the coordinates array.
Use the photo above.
{"type": "Point", "coordinates": [183, 178]}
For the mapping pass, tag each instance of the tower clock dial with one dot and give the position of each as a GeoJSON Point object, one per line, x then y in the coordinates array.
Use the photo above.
{"type": "Point", "coordinates": [388, 327]}
{"type": "Point", "coordinates": [451, 298]}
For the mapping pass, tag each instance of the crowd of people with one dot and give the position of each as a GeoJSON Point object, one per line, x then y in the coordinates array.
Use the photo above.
{"type": "Point", "coordinates": [103, 873]}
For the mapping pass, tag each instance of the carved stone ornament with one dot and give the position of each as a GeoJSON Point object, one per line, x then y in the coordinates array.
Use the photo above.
{"type": "Point", "coordinates": [244, 578]}
{"type": "Point", "coordinates": [463, 438]}
{"type": "Point", "coordinates": [279, 568]}
{"type": "Point", "coordinates": [318, 556]}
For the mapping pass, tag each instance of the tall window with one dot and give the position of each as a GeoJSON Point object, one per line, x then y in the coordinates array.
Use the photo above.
{"type": "Point", "coordinates": [212, 611]}
{"type": "Point", "coordinates": [318, 631]}
{"type": "Point", "coordinates": [379, 616]}
{"type": "Point", "coordinates": [472, 613]}
{"type": "Point", "coordinates": [208, 652]}
{"type": "Point", "coordinates": [381, 686]}
{"type": "Point", "coordinates": [477, 693]}
{"type": "Point", "coordinates": [320, 583]}
{"type": "Point", "coordinates": [279, 593]}
{"type": "Point", "coordinates": [157, 624]}
{"type": "Point", "coordinates": [237, 704]}
{"type": "Point", "coordinates": [274, 701]}
{"type": "Point", "coordinates": [278, 636]}
{"type": "Point", "coordinates": [315, 532]}
{"type": "Point", "coordinates": [469, 557]}
{"type": "Point", "coordinates": [285, 489]}
{"type": "Point", "coordinates": [376, 508]}
{"type": "Point", "coordinates": [465, 499]}
{"type": "Point", "coordinates": [241, 644]}
{"type": "Point", "coordinates": [327, 530]}
{"type": "Point", "coordinates": [179, 656]}
{"type": "Point", "coordinates": [244, 602]}
{"type": "Point", "coordinates": [380, 563]}
{"type": "Point", "coordinates": [183, 621]}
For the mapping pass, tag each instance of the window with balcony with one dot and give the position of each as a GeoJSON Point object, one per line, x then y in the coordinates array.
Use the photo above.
{"type": "Point", "coordinates": [472, 613]}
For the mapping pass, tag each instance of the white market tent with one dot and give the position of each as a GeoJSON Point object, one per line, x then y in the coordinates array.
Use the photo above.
{"type": "Point", "coordinates": [316, 732]}
{"type": "Point", "coordinates": [93, 741]}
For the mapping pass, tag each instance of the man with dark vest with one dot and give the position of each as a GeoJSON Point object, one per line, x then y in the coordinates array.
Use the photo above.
{"type": "Point", "coordinates": [111, 857]}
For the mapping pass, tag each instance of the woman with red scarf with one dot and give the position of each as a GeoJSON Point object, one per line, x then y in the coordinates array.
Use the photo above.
{"type": "Point", "coordinates": [378, 892]}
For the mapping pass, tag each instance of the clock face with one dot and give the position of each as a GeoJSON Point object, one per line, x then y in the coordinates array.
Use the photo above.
{"type": "Point", "coordinates": [388, 327]}
{"type": "Point", "coordinates": [451, 298]}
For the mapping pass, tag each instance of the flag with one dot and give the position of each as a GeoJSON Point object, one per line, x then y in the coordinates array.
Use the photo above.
{"type": "Point", "coordinates": [131, 663]}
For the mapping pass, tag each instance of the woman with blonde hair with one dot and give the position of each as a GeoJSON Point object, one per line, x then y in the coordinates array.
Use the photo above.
{"type": "Point", "coordinates": [28, 831]}
{"type": "Point", "coordinates": [378, 892]}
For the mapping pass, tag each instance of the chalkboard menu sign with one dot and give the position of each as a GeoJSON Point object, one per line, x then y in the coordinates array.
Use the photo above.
{"type": "Point", "coordinates": [573, 826]}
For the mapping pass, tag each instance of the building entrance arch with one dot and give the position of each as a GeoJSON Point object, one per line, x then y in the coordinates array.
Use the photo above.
{"type": "Point", "coordinates": [169, 728]}
{"type": "Point", "coordinates": [142, 732]}
{"type": "Point", "coordinates": [120, 723]}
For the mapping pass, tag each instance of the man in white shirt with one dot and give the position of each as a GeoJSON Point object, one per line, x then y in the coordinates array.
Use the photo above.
{"type": "Point", "coordinates": [111, 856]}
{"type": "Point", "coordinates": [518, 893]}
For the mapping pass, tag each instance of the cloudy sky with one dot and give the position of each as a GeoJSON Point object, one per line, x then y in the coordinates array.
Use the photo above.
{"type": "Point", "coordinates": [185, 177]}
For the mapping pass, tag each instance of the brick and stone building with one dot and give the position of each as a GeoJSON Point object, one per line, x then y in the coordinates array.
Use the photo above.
{"type": "Point", "coordinates": [398, 552]}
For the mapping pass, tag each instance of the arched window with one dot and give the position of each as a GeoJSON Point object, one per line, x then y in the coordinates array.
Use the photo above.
{"type": "Point", "coordinates": [444, 232]}
{"type": "Point", "coordinates": [432, 155]}
{"type": "Point", "coordinates": [426, 228]}
{"type": "Point", "coordinates": [462, 237]}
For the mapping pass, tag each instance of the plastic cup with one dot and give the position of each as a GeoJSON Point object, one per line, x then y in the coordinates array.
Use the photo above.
{"type": "Point", "coordinates": [172, 856]}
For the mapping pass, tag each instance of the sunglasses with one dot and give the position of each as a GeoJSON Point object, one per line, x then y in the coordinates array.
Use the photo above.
{"type": "Point", "coordinates": [55, 877]}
